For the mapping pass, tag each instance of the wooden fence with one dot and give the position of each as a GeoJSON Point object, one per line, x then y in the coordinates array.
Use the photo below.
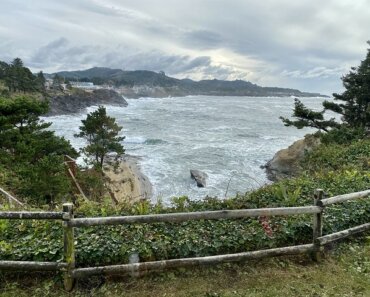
{"type": "Point", "coordinates": [71, 273]}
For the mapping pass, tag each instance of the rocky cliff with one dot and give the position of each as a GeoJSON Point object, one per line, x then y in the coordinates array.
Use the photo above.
{"type": "Point", "coordinates": [285, 163]}
{"type": "Point", "coordinates": [78, 100]}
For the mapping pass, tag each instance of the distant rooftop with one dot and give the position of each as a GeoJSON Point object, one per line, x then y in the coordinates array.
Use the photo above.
{"type": "Point", "coordinates": [81, 84]}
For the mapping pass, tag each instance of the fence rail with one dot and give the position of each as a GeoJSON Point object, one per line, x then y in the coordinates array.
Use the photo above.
{"type": "Point", "coordinates": [346, 197]}
{"type": "Point", "coordinates": [186, 262]}
{"type": "Point", "coordinates": [31, 215]}
{"type": "Point", "coordinates": [69, 223]}
{"type": "Point", "coordinates": [32, 265]}
{"type": "Point", "coordinates": [342, 234]}
{"type": "Point", "coordinates": [193, 216]}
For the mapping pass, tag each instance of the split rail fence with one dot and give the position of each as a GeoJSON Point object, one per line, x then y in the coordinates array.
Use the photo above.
{"type": "Point", "coordinates": [71, 273]}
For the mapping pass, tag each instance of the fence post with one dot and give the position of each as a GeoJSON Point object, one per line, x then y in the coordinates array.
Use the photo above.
{"type": "Point", "coordinates": [317, 224]}
{"type": "Point", "coordinates": [69, 248]}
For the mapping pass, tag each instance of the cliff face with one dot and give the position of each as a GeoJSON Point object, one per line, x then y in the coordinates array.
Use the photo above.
{"type": "Point", "coordinates": [285, 163]}
{"type": "Point", "coordinates": [78, 101]}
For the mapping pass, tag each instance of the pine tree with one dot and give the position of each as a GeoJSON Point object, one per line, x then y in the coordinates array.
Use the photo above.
{"type": "Point", "coordinates": [30, 151]}
{"type": "Point", "coordinates": [3, 68]}
{"type": "Point", "coordinates": [354, 103]}
{"type": "Point", "coordinates": [309, 118]}
{"type": "Point", "coordinates": [40, 81]}
{"type": "Point", "coordinates": [19, 78]}
{"type": "Point", "coordinates": [101, 133]}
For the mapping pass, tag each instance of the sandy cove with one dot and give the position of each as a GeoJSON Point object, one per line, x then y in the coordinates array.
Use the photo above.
{"type": "Point", "coordinates": [128, 183]}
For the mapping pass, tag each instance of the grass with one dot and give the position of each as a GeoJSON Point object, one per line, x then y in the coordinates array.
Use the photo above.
{"type": "Point", "coordinates": [343, 272]}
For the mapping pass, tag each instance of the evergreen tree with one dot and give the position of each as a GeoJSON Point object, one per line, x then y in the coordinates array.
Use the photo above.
{"type": "Point", "coordinates": [19, 78]}
{"type": "Point", "coordinates": [17, 63]}
{"type": "Point", "coordinates": [101, 133]}
{"type": "Point", "coordinates": [41, 81]}
{"type": "Point", "coordinates": [3, 69]}
{"type": "Point", "coordinates": [57, 83]}
{"type": "Point", "coordinates": [309, 118]}
{"type": "Point", "coordinates": [32, 153]}
{"type": "Point", "coordinates": [353, 105]}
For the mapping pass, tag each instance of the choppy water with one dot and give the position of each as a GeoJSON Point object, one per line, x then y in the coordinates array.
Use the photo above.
{"type": "Point", "coordinates": [227, 137]}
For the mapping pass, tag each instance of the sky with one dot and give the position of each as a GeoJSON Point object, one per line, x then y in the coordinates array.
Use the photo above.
{"type": "Point", "coordinates": [305, 44]}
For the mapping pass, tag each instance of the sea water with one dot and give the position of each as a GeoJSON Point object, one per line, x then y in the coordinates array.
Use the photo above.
{"type": "Point", "coordinates": [229, 138]}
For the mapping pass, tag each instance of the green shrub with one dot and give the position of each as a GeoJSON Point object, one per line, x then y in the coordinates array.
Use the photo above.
{"type": "Point", "coordinates": [343, 135]}
{"type": "Point", "coordinates": [329, 157]}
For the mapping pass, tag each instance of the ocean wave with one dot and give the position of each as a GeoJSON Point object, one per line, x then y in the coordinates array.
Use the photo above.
{"type": "Point", "coordinates": [154, 141]}
{"type": "Point", "coordinates": [135, 140]}
{"type": "Point", "coordinates": [268, 137]}
{"type": "Point", "coordinates": [143, 140]}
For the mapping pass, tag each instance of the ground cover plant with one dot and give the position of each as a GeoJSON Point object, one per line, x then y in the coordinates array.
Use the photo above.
{"type": "Point", "coordinates": [287, 276]}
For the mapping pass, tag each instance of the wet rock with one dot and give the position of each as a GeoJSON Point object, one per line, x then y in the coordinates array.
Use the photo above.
{"type": "Point", "coordinates": [200, 177]}
{"type": "Point", "coordinates": [285, 163]}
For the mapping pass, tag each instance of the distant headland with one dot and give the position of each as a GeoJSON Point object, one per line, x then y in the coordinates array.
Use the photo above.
{"type": "Point", "coordinates": [144, 83]}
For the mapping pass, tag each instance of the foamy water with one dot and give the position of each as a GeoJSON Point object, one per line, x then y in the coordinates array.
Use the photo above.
{"type": "Point", "coordinates": [229, 138]}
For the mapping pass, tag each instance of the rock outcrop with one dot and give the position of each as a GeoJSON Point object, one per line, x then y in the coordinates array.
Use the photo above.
{"type": "Point", "coordinates": [127, 183]}
{"type": "Point", "coordinates": [200, 177]}
{"type": "Point", "coordinates": [285, 163]}
{"type": "Point", "coordinates": [78, 101]}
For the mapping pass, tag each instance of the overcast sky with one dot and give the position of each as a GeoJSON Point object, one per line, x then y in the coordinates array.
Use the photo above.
{"type": "Point", "coordinates": [304, 44]}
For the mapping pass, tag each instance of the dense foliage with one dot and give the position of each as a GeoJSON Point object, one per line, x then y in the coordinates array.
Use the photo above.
{"type": "Point", "coordinates": [20, 78]}
{"type": "Point", "coordinates": [31, 156]}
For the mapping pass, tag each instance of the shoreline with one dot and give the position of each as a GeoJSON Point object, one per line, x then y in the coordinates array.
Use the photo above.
{"type": "Point", "coordinates": [128, 183]}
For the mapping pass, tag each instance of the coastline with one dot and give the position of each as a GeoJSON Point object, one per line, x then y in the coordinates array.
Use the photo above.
{"type": "Point", "coordinates": [128, 183]}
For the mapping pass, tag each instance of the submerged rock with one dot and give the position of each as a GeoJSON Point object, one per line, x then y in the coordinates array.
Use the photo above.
{"type": "Point", "coordinates": [200, 177]}
{"type": "Point", "coordinates": [285, 163]}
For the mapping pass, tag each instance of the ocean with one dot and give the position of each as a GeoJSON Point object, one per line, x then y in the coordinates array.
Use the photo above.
{"type": "Point", "coordinates": [229, 138]}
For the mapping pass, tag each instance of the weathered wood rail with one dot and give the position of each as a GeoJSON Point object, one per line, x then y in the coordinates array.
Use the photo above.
{"type": "Point", "coordinates": [193, 216]}
{"type": "Point", "coordinates": [71, 273]}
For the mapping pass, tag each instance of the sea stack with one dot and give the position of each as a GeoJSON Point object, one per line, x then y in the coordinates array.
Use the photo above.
{"type": "Point", "coordinates": [200, 177]}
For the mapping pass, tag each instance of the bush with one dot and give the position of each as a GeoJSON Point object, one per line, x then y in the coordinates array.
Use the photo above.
{"type": "Point", "coordinates": [343, 135]}
{"type": "Point", "coordinates": [329, 157]}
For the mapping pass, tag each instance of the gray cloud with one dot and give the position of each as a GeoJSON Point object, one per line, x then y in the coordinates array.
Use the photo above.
{"type": "Point", "coordinates": [322, 72]}
{"type": "Point", "coordinates": [202, 39]}
{"type": "Point", "coordinates": [60, 54]}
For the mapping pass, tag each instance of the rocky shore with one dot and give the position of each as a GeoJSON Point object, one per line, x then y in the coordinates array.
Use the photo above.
{"type": "Point", "coordinates": [128, 183]}
{"type": "Point", "coordinates": [78, 100]}
{"type": "Point", "coordinates": [285, 163]}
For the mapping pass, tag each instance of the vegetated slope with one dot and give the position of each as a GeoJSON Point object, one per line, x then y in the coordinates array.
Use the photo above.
{"type": "Point", "coordinates": [26, 240]}
{"type": "Point", "coordinates": [177, 87]}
